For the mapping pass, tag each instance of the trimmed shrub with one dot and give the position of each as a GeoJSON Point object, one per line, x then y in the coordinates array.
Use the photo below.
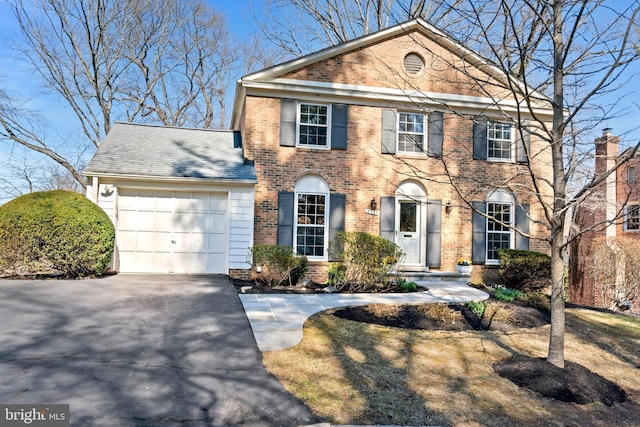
{"type": "Point", "coordinates": [55, 230]}
{"type": "Point", "coordinates": [278, 265]}
{"type": "Point", "coordinates": [368, 260]}
{"type": "Point", "coordinates": [336, 274]}
{"type": "Point", "coordinates": [524, 270]}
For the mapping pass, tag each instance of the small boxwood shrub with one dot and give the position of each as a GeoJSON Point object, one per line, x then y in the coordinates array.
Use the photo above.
{"type": "Point", "coordinates": [524, 270]}
{"type": "Point", "coordinates": [278, 265]}
{"type": "Point", "coordinates": [367, 260]}
{"type": "Point", "coordinates": [55, 230]}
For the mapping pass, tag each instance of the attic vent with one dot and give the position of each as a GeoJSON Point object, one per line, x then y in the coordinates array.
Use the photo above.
{"type": "Point", "coordinates": [413, 63]}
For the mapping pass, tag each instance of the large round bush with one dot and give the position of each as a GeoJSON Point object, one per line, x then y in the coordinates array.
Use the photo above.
{"type": "Point", "coordinates": [55, 230]}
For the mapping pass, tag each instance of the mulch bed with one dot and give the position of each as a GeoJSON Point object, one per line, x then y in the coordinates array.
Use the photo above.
{"type": "Point", "coordinates": [411, 317]}
{"type": "Point", "coordinates": [251, 287]}
{"type": "Point", "coordinates": [574, 383]}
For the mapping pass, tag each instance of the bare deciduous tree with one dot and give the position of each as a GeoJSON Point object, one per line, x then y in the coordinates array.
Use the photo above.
{"type": "Point", "coordinates": [163, 61]}
{"type": "Point", "coordinates": [566, 56]}
{"type": "Point", "coordinates": [298, 27]}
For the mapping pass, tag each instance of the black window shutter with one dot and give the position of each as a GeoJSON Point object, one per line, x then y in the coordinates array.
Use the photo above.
{"type": "Point", "coordinates": [479, 245]}
{"type": "Point", "coordinates": [288, 122]}
{"type": "Point", "coordinates": [523, 142]}
{"type": "Point", "coordinates": [285, 218]}
{"type": "Point", "coordinates": [388, 218]}
{"type": "Point", "coordinates": [435, 134]}
{"type": "Point", "coordinates": [434, 233]}
{"type": "Point", "coordinates": [480, 138]}
{"type": "Point", "coordinates": [522, 224]}
{"type": "Point", "coordinates": [337, 209]}
{"type": "Point", "coordinates": [389, 131]}
{"type": "Point", "coordinates": [339, 122]}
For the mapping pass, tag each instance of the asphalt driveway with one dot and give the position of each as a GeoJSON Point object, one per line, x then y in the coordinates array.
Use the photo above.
{"type": "Point", "coordinates": [138, 350]}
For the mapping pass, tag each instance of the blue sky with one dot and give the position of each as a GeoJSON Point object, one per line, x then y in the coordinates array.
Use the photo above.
{"type": "Point", "coordinates": [15, 78]}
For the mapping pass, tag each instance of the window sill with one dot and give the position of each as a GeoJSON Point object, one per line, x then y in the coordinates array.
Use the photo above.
{"type": "Point", "coordinates": [412, 154]}
{"type": "Point", "coordinates": [313, 148]}
{"type": "Point", "coordinates": [497, 160]}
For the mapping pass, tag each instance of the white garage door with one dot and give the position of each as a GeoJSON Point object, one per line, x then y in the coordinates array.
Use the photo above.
{"type": "Point", "coordinates": [172, 232]}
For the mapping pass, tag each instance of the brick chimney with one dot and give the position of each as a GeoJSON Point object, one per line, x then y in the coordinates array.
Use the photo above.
{"type": "Point", "coordinates": [606, 156]}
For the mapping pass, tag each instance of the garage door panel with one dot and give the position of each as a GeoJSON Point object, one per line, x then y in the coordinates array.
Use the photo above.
{"type": "Point", "coordinates": [200, 222]}
{"type": "Point", "coordinates": [144, 262]}
{"type": "Point", "coordinates": [163, 222]}
{"type": "Point", "coordinates": [145, 241]}
{"type": "Point", "coordinates": [190, 242]}
{"type": "Point", "coordinates": [164, 202]}
{"type": "Point", "coordinates": [200, 202]}
{"type": "Point", "coordinates": [217, 224]}
{"type": "Point", "coordinates": [183, 202]}
{"type": "Point", "coordinates": [162, 241]}
{"type": "Point", "coordinates": [146, 221]}
{"type": "Point", "coordinates": [182, 222]}
{"type": "Point", "coordinates": [218, 203]}
{"type": "Point", "coordinates": [127, 220]}
{"type": "Point", "coordinates": [166, 231]}
{"type": "Point", "coordinates": [147, 200]}
{"type": "Point", "coordinates": [127, 241]}
{"type": "Point", "coordinates": [161, 261]}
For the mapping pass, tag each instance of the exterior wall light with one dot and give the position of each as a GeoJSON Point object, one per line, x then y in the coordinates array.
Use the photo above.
{"type": "Point", "coordinates": [374, 204]}
{"type": "Point", "coordinates": [448, 207]}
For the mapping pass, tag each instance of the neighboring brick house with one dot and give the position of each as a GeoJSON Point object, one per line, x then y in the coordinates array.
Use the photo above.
{"type": "Point", "coordinates": [337, 136]}
{"type": "Point", "coordinates": [613, 211]}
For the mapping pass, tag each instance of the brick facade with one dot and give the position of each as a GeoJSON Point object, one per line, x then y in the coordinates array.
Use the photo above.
{"type": "Point", "coordinates": [362, 172]}
{"type": "Point", "coordinates": [606, 206]}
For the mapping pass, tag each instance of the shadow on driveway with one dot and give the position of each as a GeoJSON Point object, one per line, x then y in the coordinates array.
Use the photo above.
{"type": "Point", "coordinates": [138, 350]}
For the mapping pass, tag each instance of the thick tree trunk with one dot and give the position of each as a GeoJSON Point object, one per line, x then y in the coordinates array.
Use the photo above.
{"type": "Point", "coordinates": [556, 338]}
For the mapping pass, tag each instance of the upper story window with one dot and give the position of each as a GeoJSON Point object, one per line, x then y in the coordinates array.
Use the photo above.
{"type": "Point", "coordinates": [411, 132]}
{"type": "Point", "coordinates": [631, 174]}
{"type": "Point", "coordinates": [499, 140]}
{"type": "Point", "coordinates": [314, 125]}
{"type": "Point", "coordinates": [313, 128]}
{"type": "Point", "coordinates": [632, 217]}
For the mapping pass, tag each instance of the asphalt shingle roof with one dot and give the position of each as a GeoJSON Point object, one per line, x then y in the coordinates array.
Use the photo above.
{"type": "Point", "coordinates": [170, 152]}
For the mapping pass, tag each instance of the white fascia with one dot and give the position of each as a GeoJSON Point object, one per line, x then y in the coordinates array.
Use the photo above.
{"type": "Point", "coordinates": [369, 95]}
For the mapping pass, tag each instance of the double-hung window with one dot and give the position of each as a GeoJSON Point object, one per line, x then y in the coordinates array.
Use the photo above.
{"type": "Point", "coordinates": [631, 174]}
{"type": "Point", "coordinates": [632, 217]}
{"type": "Point", "coordinates": [313, 130]}
{"type": "Point", "coordinates": [411, 132]}
{"type": "Point", "coordinates": [311, 224]}
{"type": "Point", "coordinates": [499, 235]}
{"type": "Point", "coordinates": [499, 141]}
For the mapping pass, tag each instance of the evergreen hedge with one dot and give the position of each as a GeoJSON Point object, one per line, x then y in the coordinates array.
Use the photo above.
{"type": "Point", "coordinates": [55, 230]}
{"type": "Point", "coordinates": [524, 270]}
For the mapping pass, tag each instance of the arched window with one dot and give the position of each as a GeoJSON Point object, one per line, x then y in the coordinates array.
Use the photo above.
{"type": "Point", "coordinates": [500, 207]}
{"type": "Point", "coordinates": [311, 213]}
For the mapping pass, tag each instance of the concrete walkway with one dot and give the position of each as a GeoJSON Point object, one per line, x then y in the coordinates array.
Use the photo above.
{"type": "Point", "coordinates": [277, 320]}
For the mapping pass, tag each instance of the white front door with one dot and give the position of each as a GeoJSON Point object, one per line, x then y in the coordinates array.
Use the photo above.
{"type": "Point", "coordinates": [409, 231]}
